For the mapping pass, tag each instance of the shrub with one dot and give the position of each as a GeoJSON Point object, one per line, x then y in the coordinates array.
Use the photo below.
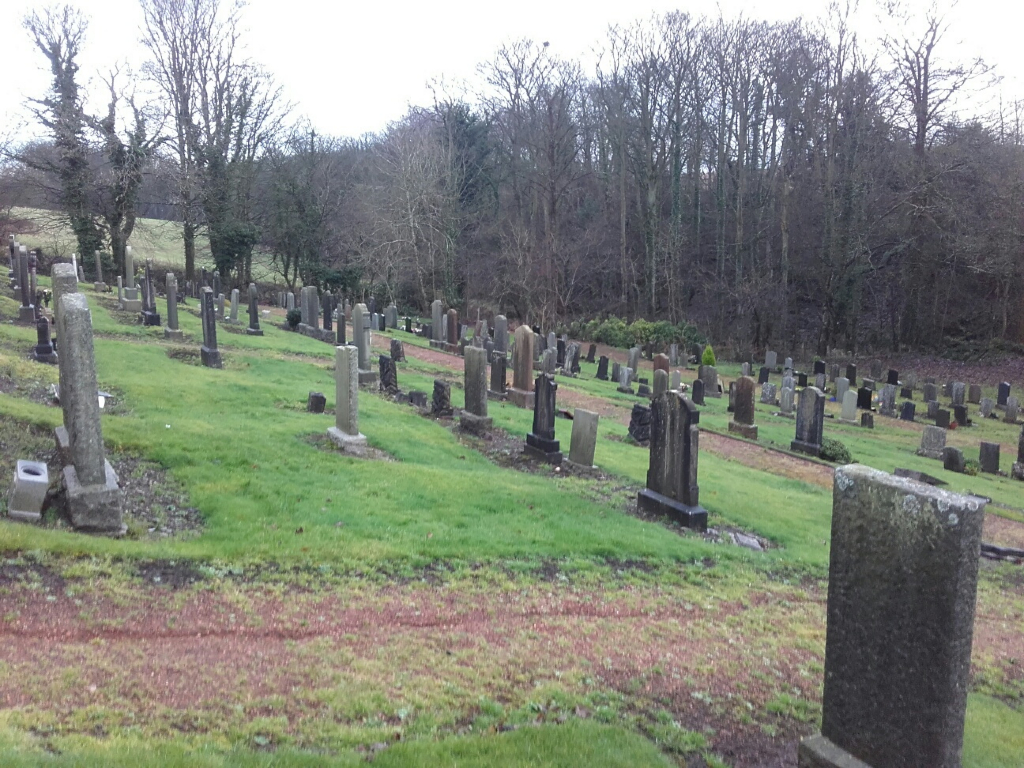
{"type": "Point", "coordinates": [708, 358]}
{"type": "Point", "coordinates": [834, 450]}
{"type": "Point", "coordinates": [971, 467]}
{"type": "Point", "coordinates": [294, 317]}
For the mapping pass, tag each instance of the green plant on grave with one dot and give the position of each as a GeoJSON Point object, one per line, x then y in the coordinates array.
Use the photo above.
{"type": "Point", "coordinates": [294, 317]}
{"type": "Point", "coordinates": [972, 467]}
{"type": "Point", "coordinates": [708, 358]}
{"type": "Point", "coordinates": [834, 450]}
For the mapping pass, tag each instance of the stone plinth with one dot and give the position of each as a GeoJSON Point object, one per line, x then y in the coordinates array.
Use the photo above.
{"type": "Point", "coordinates": [94, 508]}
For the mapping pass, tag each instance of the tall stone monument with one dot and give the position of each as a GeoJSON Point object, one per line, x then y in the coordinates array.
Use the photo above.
{"type": "Point", "coordinates": [345, 432]}
{"type": "Point", "coordinates": [672, 475]}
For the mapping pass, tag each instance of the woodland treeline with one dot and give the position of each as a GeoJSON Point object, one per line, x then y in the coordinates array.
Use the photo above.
{"type": "Point", "coordinates": [771, 183]}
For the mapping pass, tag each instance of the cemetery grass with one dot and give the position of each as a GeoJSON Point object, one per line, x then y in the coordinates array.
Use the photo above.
{"type": "Point", "coordinates": [287, 521]}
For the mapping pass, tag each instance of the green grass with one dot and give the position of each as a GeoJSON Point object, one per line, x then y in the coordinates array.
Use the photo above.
{"type": "Point", "coordinates": [994, 734]}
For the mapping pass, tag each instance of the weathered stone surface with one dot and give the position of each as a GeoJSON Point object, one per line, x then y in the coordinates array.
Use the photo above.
{"type": "Point", "coordinates": [988, 457]}
{"type": "Point", "coordinates": [541, 441]}
{"type": "Point", "coordinates": [640, 424]}
{"type": "Point", "coordinates": [810, 417]}
{"type": "Point", "coordinates": [441, 400]}
{"type": "Point", "coordinates": [474, 417]}
{"type": "Point", "coordinates": [660, 382]}
{"type": "Point", "coordinates": [171, 330]}
{"type": "Point", "coordinates": [345, 432]}
{"type": "Point", "coordinates": [437, 331]}
{"type": "Point", "coordinates": [388, 375]}
{"type": "Point", "coordinates": [933, 441]}
{"type": "Point", "coordinates": [316, 402]}
{"type": "Point", "coordinates": [787, 399]}
{"type": "Point", "coordinates": [887, 401]}
{"type": "Point", "coordinates": [602, 368]}
{"type": "Point", "coordinates": [709, 376]}
{"type": "Point", "coordinates": [907, 411]}
{"type": "Point", "coordinates": [974, 394]}
{"type": "Point", "coordinates": [849, 407]}
{"type": "Point", "coordinates": [697, 391]}
{"type": "Point", "coordinates": [953, 459]}
{"type": "Point", "coordinates": [768, 393]}
{"type": "Point", "coordinates": [209, 353]}
{"type": "Point", "coordinates": [583, 442]}
{"type": "Point", "coordinates": [842, 387]}
{"type": "Point", "coordinates": [867, 420]}
{"type": "Point", "coordinates": [672, 475]}
{"type": "Point", "coordinates": [743, 409]}
{"type": "Point", "coordinates": [901, 594]}
{"type": "Point", "coordinates": [397, 350]}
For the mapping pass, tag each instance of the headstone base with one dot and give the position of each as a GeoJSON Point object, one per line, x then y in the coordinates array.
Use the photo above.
{"type": "Point", "coordinates": [100, 287]}
{"type": "Point", "coordinates": [211, 357]}
{"type": "Point", "coordinates": [94, 508]}
{"type": "Point", "coordinates": [799, 446]}
{"type": "Point", "coordinates": [254, 331]}
{"type": "Point", "coordinates": [367, 377]}
{"type": "Point", "coordinates": [1017, 472]}
{"type": "Point", "coordinates": [748, 431]}
{"type": "Point", "coordinates": [930, 454]}
{"type": "Point", "coordinates": [818, 752]}
{"type": "Point", "coordinates": [473, 423]}
{"type": "Point", "coordinates": [27, 315]}
{"type": "Point", "coordinates": [492, 395]}
{"type": "Point", "coordinates": [854, 422]}
{"type": "Point", "coordinates": [521, 398]}
{"type": "Point", "coordinates": [543, 449]}
{"type": "Point", "coordinates": [44, 355]}
{"type": "Point", "coordinates": [150, 318]}
{"type": "Point", "coordinates": [354, 444]}
{"type": "Point", "coordinates": [625, 390]}
{"type": "Point", "coordinates": [793, 416]}
{"type": "Point", "coordinates": [130, 305]}
{"type": "Point", "coordinates": [689, 517]}
{"type": "Point", "coordinates": [173, 334]}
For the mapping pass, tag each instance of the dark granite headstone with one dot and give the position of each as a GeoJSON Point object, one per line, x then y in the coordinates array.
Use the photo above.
{"type": "Point", "coordinates": [640, 424]}
{"type": "Point", "coordinates": [867, 420]}
{"type": "Point", "coordinates": [602, 368]}
{"type": "Point", "coordinates": [907, 411]}
{"type": "Point", "coordinates": [810, 421]}
{"type": "Point", "coordinates": [441, 402]}
{"type": "Point", "coordinates": [953, 459]}
{"type": "Point", "coordinates": [316, 402]}
{"type": "Point", "coordinates": [698, 392]}
{"type": "Point", "coordinates": [1004, 392]}
{"type": "Point", "coordinates": [388, 375]}
{"type": "Point", "coordinates": [988, 457]}
{"type": "Point", "coordinates": [942, 418]}
{"type": "Point", "coordinates": [893, 377]}
{"type": "Point", "coordinates": [541, 441]}
{"type": "Point", "coordinates": [906, 393]}
{"type": "Point", "coordinates": [591, 353]}
{"type": "Point", "coordinates": [851, 374]}
{"type": "Point", "coordinates": [960, 415]}
{"type": "Point", "coordinates": [763, 374]}
{"type": "Point", "coordinates": [672, 488]}
{"type": "Point", "coordinates": [801, 379]}
{"type": "Point", "coordinates": [864, 398]}
{"type": "Point", "coordinates": [397, 351]}
{"type": "Point", "coordinates": [819, 367]}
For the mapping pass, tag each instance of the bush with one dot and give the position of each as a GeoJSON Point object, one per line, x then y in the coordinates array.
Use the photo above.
{"type": "Point", "coordinates": [708, 358]}
{"type": "Point", "coordinates": [972, 467]}
{"type": "Point", "coordinates": [833, 450]}
{"type": "Point", "coordinates": [294, 317]}
{"type": "Point", "coordinates": [616, 332]}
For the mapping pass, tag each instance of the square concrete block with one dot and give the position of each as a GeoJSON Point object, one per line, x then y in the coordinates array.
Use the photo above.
{"type": "Point", "coordinates": [94, 508]}
{"type": "Point", "coordinates": [28, 491]}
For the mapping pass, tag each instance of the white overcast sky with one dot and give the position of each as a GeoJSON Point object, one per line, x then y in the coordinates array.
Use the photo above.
{"type": "Point", "coordinates": [353, 67]}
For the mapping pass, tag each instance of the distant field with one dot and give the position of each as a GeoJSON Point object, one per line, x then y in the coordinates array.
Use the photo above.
{"type": "Point", "coordinates": [152, 239]}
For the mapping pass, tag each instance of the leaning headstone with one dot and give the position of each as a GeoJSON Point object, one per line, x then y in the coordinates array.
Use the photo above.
{"type": "Point", "coordinates": [742, 421]}
{"type": "Point", "coordinates": [583, 442]}
{"type": "Point", "coordinates": [397, 351]}
{"type": "Point", "coordinates": [849, 409]}
{"type": "Point", "coordinates": [810, 419]}
{"type": "Point", "coordinates": [388, 375]}
{"type": "Point", "coordinates": [672, 488]}
{"type": "Point", "coordinates": [901, 594]}
{"type": "Point", "coordinates": [91, 486]}
{"type": "Point", "coordinates": [474, 417]}
{"type": "Point", "coordinates": [345, 432]}
{"type": "Point", "coordinates": [988, 457]}
{"type": "Point", "coordinates": [209, 353]}
{"type": "Point", "coordinates": [541, 442]}
{"type": "Point", "coordinates": [171, 330]}
{"type": "Point", "coordinates": [953, 459]}
{"type": "Point", "coordinates": [602, 368]}
{"type": "Point", "coordinates": [933, 440]}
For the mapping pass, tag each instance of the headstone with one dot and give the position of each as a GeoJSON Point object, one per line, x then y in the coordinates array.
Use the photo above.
{"type": "Point", "coordinates": [602, 368]}
{"type": "Point", "coordinates": [327, 310]}
{"type": "Point", "coordinates": [572, 359]}
{"type": "Point", "coordinates": [99, 285]}
{"type": "Point", "coordinates": [498, 376]}
{"type": "Point", "coordinates": [867, 420]}
{"type": "Point", "coordinates": [910, 380]}
{"type": "Point", "coordinates": [673, 354]}
{"type": "Point", "coordinates": [1017, 472]}
{"type": "Point", "coordinates": [801, 379]}
{"type": "Point", "coordinates": [418, 399]}
{"type": "Point", "coordinates": [233, 315]}
{"type": "Point", "coordinates": [548, 361]}
{"type": "Point", "coordinates": [316, 402]}
{"type": "Point", "coordinates": [942, 418]}
{"type": "Point", "coordinates": [441, 400]}
{"type": "Point", "coordinates": [391, 316]}
{"type": "Point", "coordinates": [625, 377]}
{"type": "Point", "coordinates": [521, 392]}
{"type": "Point", "coordinates": [216, 283]}
{"type": "Point", "coordinates": [819, 381]}
{"type": "Point", "coordinates": [129, 275]}
{"type": "Point", "coordinates": [842, 387]}
{"type": "Point", "coordinates": [788, 364]}
{"type": "Point", "coordinates": [171, 330]}
{"type": "Point", "coordinates": [552, 341]}
{"type": "Point", "coordinates": [219, 306]}
{"type": "Point", "coordinates": [591, 354]}
{"type": "Point", "coordinates": [633, 361]}
{"type": "Point", "coordinates": [91, 487]}
{"type": "Point", "coordinates": [698, 392]}
{"type": "Point", "coordinates": [437, 339]}
{"type": "Point", "coordinates": [929, 392]}
{"type": "Point", "coordinates": [43, 351]}
{"type": "Point", "coordinates": [953, 459]}
{"type": "Point", "coordinates": [988, 457]}
{"type": "Point", "coordinates": [768, 393]}
{"type": "Point", "coordinates": [474, 417]}
{"type": "Point", "coordinates": [345, 432]}
{"type": "Point", "coordinates": [616, 372]}
{"type": "Point", "coordinates": [787, 398]}
{"type": "Point", "coordinates": [640, 424]}
{"type": "Point", "coordinates": [342, 330]}
{"type": "Point", "coordinates": [397, 350]}
{"type": "Point", "coordinates": [851, 374]}
{"type": "Point", "coordinates": [289, 301]}
{"type": "Point", "coordinates": [974, 394]}
{"type": "Point", "coordinates": [388, 372]}
{"type": "Point", "coordinates": [907, 411]}
{"type": "Point", "coordinates": [661, 363]}
{"type": "Point", "coordinates": [1003, 394]}
{"type": "Point", "coordinates": [901, 595]}
{"type": "Point", "coordinates": [408, 324]}
{"type": "Point", "coordinates": [987, 407]}
{"type": "Point", "coordinates": [709, 376]}
{"type": "Point", "coordinates": [676, 383]}
{"type": "Point", "coordinates": [876, 369]}
{"type": "Point", "coordinates": [208, 352]}
{"type": "Point", "coordinates": [672, 488]}
{"type": "Point", "coordinates": [541, 442]}
{"type": "Point", "coordinates": [660, 383]}
{"type": "Point", "coordinates": [254, 312]}
{"type": "Point", "coordinates": [959, 393]}
{"type": "Point", "coordinates": [892, 377]}
{"type": "Point", "coordinates": [810, 420]}
{"type": "Point", "coordinates": [453, 330]}
{"type": "Point", "coordinates": [833, 372]}
{"type": "Point", "coordinates": [583, 442]}
{"type": "Point", "coordinates": [501, 335]}
{"type": "Point", "coordinates": [745, 369]}
{"type": "Point", "coordinates": [887, 401]}
{"type": "Point", "coordinates": [771, 359]}
{"type": "Point", "coordinates": [362, 338]}
{"type": "Point", "coordinates": [1011, 410]}
{"type": "Point", "coordinates": [819, 367]}
{"type": "Point", "coordinates": [743, 410]}
{"type": "Point", "coordinates": [933, 440]}
{"type": "Point", "coordinates": [906, 393]}
{"type": "Point", "coordinates": [849, 410]}
{"type": "Point", "coordinates": [763, 374]}
{"type": "Point", "coordinates": [960, 416]}
{"type": "Point", "coordinates": [864, 399]}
